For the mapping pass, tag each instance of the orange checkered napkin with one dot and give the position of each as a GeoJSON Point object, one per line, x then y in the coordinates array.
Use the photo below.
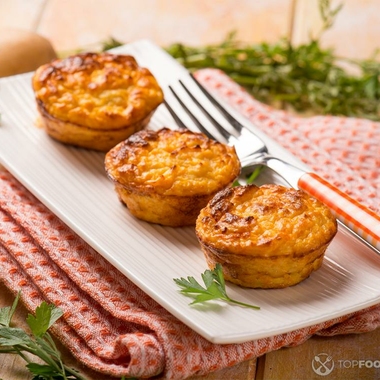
{"type": "Point", "coordinates": [112, 326]}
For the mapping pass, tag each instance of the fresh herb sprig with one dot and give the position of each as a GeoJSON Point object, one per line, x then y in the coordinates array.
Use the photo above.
{"type": "Point", "coordinates": [305, 78]}
{"type": "Point", "coordinates": [251, 177]}
{"type": "Point", "coordinates": [14, 340]}
{"type": "Point", "coordinates": [215, 288]}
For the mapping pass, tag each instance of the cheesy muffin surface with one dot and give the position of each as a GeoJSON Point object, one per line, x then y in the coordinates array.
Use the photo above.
{"type": "Point", "coordinates": [173, 162]}
{"type": "Point", "coordinates": [268, 236]}
{"type": "Point", "coordinates": [96, 90]}
{"type": "Point", "coordinates": [167, 176]}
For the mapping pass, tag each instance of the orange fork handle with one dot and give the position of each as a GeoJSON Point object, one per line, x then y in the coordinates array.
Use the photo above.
{"type": "Point", "coordinates": [363, 221]}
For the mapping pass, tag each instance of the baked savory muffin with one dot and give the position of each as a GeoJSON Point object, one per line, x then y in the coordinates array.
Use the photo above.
{"type": "Point", "coordinates": [265, 237]}
{"type": "Point", "coordinates": [168, 176]}
{"type": "Point", "coordinates": [95, 100]}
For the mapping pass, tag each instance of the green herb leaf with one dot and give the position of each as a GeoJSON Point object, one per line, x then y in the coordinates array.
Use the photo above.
{"type": "Point", "coordinates": [11, 336]}
{"type": "Point", "coordinates": [111, 43]}
{"type": "Point", "coordinates": [189, 285]}
{"type": "Point", "coordinates": [215, 288]}
{"type": "Point", "coordinates": [46, 315]}
{"type": "Point", "coordinates": [42, 370]}
{"type": "Point", "coordinates": [6, 313]}
{"type": "Point", "coordinates": [17, 341]}
{"type": "Point", "coordinates": [252, 177]}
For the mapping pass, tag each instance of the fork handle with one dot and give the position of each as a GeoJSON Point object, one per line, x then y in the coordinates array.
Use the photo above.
{"type": "Point", "coordinates": [363, 221]}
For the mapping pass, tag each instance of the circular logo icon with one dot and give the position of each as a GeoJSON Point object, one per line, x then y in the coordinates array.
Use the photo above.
{"type": "Point", "coordinates": [322, 364]}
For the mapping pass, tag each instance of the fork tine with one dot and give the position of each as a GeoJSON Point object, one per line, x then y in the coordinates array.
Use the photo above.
{"type": "Point", "coordinates": [176, 118]}
{"type": "Point", "coordinates": [237, 125]}
{"type": "Point", "coordinates": [193, 118]}
{"type": "Point", "coordinates": [217, 125]}
{"type": "Point", "coordinates": [188, 103]}
{"type": "Point", "coordinates": [185, 100]}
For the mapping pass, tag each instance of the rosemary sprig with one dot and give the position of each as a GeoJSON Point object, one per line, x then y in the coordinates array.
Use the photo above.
{"type": "Point", "coordinates": [305, 78]}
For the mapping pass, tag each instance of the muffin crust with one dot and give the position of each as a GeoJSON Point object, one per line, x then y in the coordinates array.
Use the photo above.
{"type": "Point", "coordinates": [96, 93]}
{"type": "Point", "coordinates": [167, 176]}
{"type": "Point", "coordinates": [268, 236]}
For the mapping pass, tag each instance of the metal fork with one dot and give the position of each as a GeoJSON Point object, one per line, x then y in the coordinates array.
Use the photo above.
{"type": "Point", "coordinates": [190, 103]}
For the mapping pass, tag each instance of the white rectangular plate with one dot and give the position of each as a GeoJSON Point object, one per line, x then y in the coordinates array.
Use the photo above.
{"type": "Point", "coordinates": [73, 184]}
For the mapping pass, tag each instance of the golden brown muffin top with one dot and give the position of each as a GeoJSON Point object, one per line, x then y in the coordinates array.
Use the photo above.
{"type": "Point", "coordinates": [172, 162]}
{"type": "Point", "coordinates": [269, 220]}
{"type": "Point", "coordinates": [97, 90]}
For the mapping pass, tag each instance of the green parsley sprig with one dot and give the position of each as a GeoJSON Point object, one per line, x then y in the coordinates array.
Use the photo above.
{"type": "Point", "coordinates": [215, 288]}
{"type": "Point", "coordinates": [14, 340]}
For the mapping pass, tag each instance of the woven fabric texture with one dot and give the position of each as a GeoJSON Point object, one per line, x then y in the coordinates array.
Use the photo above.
{"type": "Point", "coordinates": [112, 326]}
